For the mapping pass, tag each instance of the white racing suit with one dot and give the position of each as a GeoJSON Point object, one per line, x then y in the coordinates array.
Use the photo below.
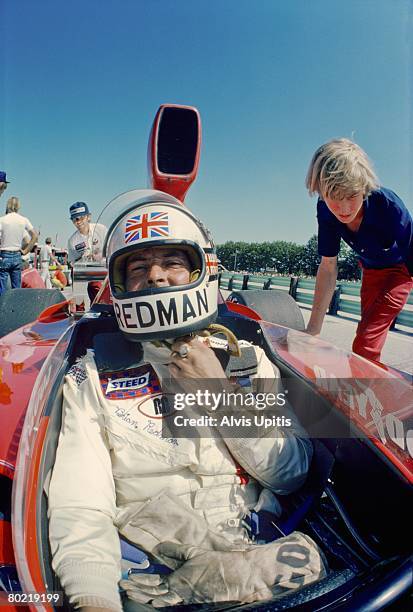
{"type": "Point", "coordinates": [111, 457]}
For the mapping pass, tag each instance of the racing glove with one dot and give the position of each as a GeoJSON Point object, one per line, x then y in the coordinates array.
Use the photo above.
{"type": "Point", "coordinates": [255, 573]}
{"type": "Point", "coordinates": [166, 518]}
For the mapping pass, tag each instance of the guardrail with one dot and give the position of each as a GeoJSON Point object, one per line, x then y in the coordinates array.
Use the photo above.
{"type": "Point", "coordinates": [406, 315]}
{"type": "Point", "coordinates": [346, 297]}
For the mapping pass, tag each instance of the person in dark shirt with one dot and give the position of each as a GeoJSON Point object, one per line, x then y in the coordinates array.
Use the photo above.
{"type": "Point", "coordinates": [376, 224]}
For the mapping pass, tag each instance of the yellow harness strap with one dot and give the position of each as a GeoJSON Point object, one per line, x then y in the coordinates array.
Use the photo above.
{"type": "Point", "coordinates": [215, 328]}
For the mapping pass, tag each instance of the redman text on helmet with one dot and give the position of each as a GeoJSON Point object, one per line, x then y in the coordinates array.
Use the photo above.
{"type": "Point", "coordinates": [169, 313]}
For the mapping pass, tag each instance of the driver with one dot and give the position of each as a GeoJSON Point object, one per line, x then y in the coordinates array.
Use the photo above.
{"type": "Point", "coordinates": [118, 467]}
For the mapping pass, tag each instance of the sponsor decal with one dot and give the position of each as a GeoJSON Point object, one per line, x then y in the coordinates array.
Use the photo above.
{"type": "Point", "coordinates": [119, 384]}
{"type": "Point", "coordinates": [364, 401]}
{"type": "Point", "coordinates": [211, 263]}
{"type": "Point", "coordinates": [156, 407]}
{"type": "Point", "coordinates": [147, 225]}
{"type": "Point", "coordinates": [161, 313]}
{"type": "Point", "coordinates": [78, 372]}
{"type": "Point", "coordinates": [128, 384]}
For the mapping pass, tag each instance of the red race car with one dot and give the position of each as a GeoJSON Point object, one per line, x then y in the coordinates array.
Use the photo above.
{"type": "Point", "coordinates": [357, 502]}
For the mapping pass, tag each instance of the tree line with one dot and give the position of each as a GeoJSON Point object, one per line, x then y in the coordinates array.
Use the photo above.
{"type": "Point", "coordinates": [282, 257]}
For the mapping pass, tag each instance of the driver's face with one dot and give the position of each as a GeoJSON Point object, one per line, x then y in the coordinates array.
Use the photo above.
{"type": "Point", "coordinates": [157, 267]}
{"type": "Point", "coordinates": [3, 187]}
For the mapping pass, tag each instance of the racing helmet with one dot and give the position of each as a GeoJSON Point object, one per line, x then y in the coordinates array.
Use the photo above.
{"type": "Point", "coordinates": [159, 220]}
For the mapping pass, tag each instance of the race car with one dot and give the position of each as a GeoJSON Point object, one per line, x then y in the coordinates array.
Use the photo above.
{"type": "Point", "coordinates": [357, 501]}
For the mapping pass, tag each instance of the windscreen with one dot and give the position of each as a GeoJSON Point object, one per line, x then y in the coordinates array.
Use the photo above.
{"type": "Point", "coordinates": [360, 398]}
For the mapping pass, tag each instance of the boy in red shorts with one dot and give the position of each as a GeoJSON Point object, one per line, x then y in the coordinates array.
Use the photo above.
{"type": "Point", "coordinates": [376, 224]}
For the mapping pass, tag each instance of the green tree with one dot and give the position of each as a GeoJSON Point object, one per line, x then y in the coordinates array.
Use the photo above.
{"type": "Point", "coordinates": [286, 258]}
{"type": "Point", "coordinates": [310, 257]}
{"type": "Point", "coordinates": [348, 263]}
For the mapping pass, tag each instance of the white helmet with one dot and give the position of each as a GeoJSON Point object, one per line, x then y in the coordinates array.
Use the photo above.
{"type": "Point", "coordinates": [152, 220]}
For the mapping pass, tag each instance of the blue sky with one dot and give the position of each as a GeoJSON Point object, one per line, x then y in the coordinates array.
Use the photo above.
{"type": "Point", "coordinates": [81, 81]}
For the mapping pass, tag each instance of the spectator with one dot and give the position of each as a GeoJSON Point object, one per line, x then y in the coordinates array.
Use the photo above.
{"type": "Point", "coordinates": [3, 182]}
{"type": "Point", "coordinates": [46, 254]}
{"type": "Point", "coordinates": [59, 280]}
{"type": "Point", "coordinates": [31, 278]}
{"type": "Point", "coordinates": [376, 224]}
{"type": "Point", "coordinates": [12, 228]}
{"type": "Point", "coordinates": [86, 244]}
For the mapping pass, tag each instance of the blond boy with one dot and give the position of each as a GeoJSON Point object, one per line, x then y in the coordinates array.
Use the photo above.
{"type": "Point", "coordinates": [376, 224]}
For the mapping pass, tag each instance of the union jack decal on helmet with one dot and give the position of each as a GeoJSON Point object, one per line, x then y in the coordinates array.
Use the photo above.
{"type": "Point", "coordinates": [147, 225]}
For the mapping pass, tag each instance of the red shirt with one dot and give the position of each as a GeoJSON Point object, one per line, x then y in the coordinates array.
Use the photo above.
{"type": "Point", "coordinates": [31, 279]}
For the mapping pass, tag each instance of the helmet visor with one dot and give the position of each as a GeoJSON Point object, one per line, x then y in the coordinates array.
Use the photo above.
{"type": "Point", "coordinates": [159, 267]}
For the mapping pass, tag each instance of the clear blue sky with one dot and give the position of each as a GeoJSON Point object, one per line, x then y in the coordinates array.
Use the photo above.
{"type": "Point", "coordinates": [81, 80]}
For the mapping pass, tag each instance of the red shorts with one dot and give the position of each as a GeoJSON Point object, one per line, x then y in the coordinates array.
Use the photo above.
{"type": "Point", "coordinates": [383, 294]}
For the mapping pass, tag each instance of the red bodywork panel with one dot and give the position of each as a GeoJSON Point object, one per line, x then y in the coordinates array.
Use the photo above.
{"type": "Point", "coordinates": [32, 548]}
{"type": "Point", "coordinates": [22, 354]}
{"type": "Point", "coordinates": [6, 547]}
{"type": "Point", "coordinates": [246, 311]}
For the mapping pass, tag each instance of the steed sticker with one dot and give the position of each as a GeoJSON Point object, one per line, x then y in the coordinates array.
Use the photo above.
{"type": "Point", "coordinates": [128, 384]}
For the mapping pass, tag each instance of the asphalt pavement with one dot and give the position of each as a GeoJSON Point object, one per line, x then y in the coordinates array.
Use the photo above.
{"type": "Point", "coordinates": [340, 331]}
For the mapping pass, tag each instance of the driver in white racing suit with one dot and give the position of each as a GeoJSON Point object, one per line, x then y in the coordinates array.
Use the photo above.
{"type": "Point", "coordinates": [120, 467]}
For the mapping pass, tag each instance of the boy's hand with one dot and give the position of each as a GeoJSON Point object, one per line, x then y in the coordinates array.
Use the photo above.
{"type": "Point", "coordinates": [312, 331]}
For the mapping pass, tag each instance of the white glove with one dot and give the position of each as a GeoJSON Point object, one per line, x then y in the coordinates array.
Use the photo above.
{"type": "Point", "coordinates": [166, 518]}
{"type": "Point", "coordinates": [145, 587]}
{"type": "Point", "coordinates": [256, 573]}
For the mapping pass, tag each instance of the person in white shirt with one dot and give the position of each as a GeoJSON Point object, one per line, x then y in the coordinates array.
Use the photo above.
{"type": "Point", "coordinates": [12, 230]}
{"type": "Point", "coordinates": [86, 244]}
{"type": "Point", "coordinates": [46, 254]}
